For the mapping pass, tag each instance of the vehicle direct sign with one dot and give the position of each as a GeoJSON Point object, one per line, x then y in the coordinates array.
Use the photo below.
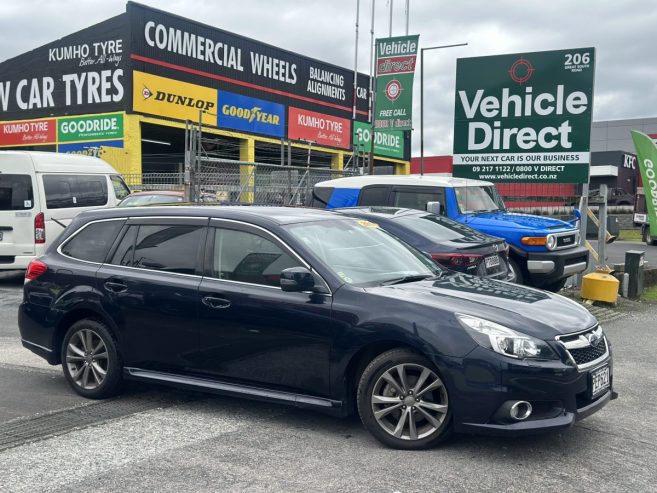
{"type": "Point", "coordinates": [527, 120]}
{"type": "Point", "coordinates": [318, 128]}
{"type": "Point", "coordinates": [395, 66]}
{"type": "Point", "coordinates": [250, 114]}
{"type": "Point", "coordinates": [388, 142]}
{"type": "Point", "coordinates": [172, 98]}
{"type": "Point", "coordinates": [92, 127]}
{"type": "Point", "coordinates": [30, 132]}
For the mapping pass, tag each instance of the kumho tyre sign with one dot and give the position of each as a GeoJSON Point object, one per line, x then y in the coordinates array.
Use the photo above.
{"type": "Point", "coordinates": [524, 117]}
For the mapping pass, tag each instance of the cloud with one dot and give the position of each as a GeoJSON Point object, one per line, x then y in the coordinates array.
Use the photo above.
{"type": "Point", "coordinates": [622, 32]}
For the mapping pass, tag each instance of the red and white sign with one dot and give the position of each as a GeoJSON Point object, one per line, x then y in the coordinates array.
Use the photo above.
{"type": "Point", "coordinates": [327, 130]}
{"type": "Point", "coordinates": [28, 132]}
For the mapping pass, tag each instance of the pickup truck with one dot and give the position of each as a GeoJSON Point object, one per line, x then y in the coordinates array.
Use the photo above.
{"type": "Point", "coordinates": [544, 251]}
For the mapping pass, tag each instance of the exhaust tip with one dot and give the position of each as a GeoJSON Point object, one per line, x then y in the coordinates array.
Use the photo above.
{"type": "Point", "coordinates": [520, 410]}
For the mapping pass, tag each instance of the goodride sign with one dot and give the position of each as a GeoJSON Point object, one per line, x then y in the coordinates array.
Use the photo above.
{"type": "Point", "coordinates": [524, 117]}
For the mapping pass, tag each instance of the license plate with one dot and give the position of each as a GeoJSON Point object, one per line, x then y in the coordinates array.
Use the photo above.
{"type": "Point", "coordinates": [599, 379]}
{"type": "Point", "coordinates": [492, 261]}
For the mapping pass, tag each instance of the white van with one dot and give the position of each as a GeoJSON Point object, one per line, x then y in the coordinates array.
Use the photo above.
{"type": "Point", "coordinates": [41, 192]}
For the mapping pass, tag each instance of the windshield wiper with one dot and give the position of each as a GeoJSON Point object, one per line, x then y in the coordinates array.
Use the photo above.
{"type": "Point", "coordinates": [409, 278]}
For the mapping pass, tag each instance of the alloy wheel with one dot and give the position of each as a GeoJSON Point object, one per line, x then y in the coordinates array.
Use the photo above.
{"type": "Point", "coordinates": [87, 359]}
{"type": "Point", "coordinates": [409, 401]}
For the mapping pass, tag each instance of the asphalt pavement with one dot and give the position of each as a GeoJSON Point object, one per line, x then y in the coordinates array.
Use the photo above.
{"type": "Point", "coordinates": [156, 439]}
{"type": "Point", "coordinates": [616, 251]}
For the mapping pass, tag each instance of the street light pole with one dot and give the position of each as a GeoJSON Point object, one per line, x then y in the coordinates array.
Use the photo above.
{"type": "Point", "coordinates": [422, 50]}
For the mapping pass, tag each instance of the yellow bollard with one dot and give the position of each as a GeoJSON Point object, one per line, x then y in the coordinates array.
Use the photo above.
{"type": "Point", "coordinates": [599, 286]}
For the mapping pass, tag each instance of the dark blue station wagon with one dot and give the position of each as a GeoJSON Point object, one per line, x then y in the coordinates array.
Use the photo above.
{"type": "Point", "coordinates": [313, 309]}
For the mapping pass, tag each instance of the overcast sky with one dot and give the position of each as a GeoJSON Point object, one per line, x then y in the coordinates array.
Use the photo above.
{"type": "Point", "coordinates": [623, 31]}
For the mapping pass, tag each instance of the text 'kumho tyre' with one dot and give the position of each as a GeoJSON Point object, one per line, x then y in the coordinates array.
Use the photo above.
{"type": "Point", "coordinates": [403, 401]}
{"type": "Point", "coordinates": [90, 360]}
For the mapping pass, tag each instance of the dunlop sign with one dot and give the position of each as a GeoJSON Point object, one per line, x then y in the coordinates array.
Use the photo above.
{"type": "Point", "coordinates": [524, 117]}
{"type": "Point", "coordinates": [173, 98]}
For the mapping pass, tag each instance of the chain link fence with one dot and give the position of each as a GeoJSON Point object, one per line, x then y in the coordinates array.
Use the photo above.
{"type": "Point", "coordinates": [227, 181]}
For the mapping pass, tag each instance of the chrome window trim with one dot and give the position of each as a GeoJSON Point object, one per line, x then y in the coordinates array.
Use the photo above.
{"type": "Point", "coordinates": [126, 218]}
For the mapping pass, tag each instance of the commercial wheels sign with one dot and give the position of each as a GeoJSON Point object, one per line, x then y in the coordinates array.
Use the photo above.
{"type": "Point", "coordinates": [524, 117]}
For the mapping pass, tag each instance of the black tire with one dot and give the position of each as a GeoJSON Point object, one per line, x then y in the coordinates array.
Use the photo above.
{"type": "Point", "coordinates": [520, 275]}
{"type": "Point", "coordinates": [84, 372]}
{"type": "Point", "coordinates": [555, 286]}
{"type": "Point", "coordinates": [428, 433]}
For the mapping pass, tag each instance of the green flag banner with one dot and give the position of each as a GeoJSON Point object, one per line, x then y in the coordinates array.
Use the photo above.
{"type": "Point", "coordinates": [388, 142]}
{"type": "Point", "coordinates": [646, 152]}
{"type": "Point", "coordinates": [395, 66]}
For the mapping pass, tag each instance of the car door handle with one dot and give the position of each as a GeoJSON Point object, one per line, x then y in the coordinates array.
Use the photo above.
{"type": "Point", "coordinates": [214, 302]}
{"type": "Point", "coordinates": [115, 287]}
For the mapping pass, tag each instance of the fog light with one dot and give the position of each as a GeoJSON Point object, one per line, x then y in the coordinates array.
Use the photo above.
{"type": "Point", "coordinates": [520, 410]}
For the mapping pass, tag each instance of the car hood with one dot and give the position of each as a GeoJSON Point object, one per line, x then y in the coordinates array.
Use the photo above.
{"type": "Point", "coordinates": [510, 220]}
{"type": "Point", "coordinates": [527, 310]}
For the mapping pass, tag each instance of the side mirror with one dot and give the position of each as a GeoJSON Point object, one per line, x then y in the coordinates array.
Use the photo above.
{"type": "Point", "coordinates": [577, 213]}
{"type": "Point", "coordinates": [435, 208]}
{"type": "Point", "coordinates": [297, 279]}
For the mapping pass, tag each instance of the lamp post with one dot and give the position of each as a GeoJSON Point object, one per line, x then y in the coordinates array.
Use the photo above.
{"type": "Point", "coordinates": [422, 50]}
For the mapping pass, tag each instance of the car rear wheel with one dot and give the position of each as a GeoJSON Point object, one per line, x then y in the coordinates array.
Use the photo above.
{"type": "Point", "coordinates": [520, 278]}
{"type": "Point", "coordinates": [90, 360]}
{"type": "Point", "coordinates": [403, 402]}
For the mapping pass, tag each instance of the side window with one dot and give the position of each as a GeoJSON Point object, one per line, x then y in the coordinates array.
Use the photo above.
{"type": "Point", "coordinates": [66, 191]}
{"type": "Point", "coordinates": [247, 257]}
{"type": "Point", "coordinates": [125, 251]}
{"type": "Point", "coordinates": [374, 195]}
{"type": "Point", "coordinates": [417, 199]}
{"type": "Point", "coordinates": [168, 248]}
{"type": "Point", "coordinates": [93, 242]}
{"type": "Point", "coordinates": [121, 190]}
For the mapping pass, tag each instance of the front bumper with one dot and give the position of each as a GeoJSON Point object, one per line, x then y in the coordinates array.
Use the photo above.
{"type": "Point", "coordinates": [552, 266]}
{"type": "Point", "coordinates": [484, 381]}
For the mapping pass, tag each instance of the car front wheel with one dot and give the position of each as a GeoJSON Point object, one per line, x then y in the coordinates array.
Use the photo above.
{"type": "Point", "coordinates": [90, 360]}
{"type": "Point", "coordinates": [403, 402]}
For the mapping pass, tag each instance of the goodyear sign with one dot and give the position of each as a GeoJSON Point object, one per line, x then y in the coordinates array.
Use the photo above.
{"type": "Point", "coordinates": [250, 114]}
{"type": "Point", "coordinates": [172, 98]}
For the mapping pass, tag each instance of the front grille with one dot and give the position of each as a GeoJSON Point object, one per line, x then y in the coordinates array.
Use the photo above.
{"type": "Point", "coordinates": [588, 354]}
{"type": "Point", "coordinates": [566, 240]}
{"type": "Point", "coordinates": [585, 348]}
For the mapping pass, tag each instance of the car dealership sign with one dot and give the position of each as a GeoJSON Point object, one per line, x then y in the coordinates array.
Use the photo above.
{"type": "Point", "coordinates": [524, 117]}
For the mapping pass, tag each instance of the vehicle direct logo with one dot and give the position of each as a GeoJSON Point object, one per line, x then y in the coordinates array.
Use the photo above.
{"type": "Point", "coordinates": [521, 71]}
{"type": "Point", "coordinates": [393, 90]}
{"type": "Point", "coordinates": [250, 114]}
{"type": "Point", "coordinates": [172, 98]}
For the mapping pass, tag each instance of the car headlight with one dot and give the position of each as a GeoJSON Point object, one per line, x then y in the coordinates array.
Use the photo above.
{"type": "Point", "coordinates": [503, 340]}
{"type": "Point", "coordinates": [551, 242]}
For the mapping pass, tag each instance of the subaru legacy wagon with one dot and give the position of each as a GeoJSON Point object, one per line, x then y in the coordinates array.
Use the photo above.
{"type": "Point", "coordinates": [312, 309]}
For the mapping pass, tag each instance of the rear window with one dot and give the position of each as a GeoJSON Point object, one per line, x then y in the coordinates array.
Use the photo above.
{"type": "Point", "coordinates": [93, 242]}
{"type": "Point", "coordinates": [435, 228]}
{"type": "Point", "coordinates": [16, 192]}
{"type": "Point", "coordinates": [66, 191]}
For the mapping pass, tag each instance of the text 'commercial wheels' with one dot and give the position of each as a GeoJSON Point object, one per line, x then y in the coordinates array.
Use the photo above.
{"type": "Point", "coordinates": [90, 360]}
{"type": "Point", "coordinates": [403, 401]}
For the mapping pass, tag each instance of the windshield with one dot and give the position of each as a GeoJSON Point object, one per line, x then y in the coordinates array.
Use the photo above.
{"type": "Point", "coordinates": [15, 192]}
{"type": "Point", "coordinates": [478, 199]}
{"type": "Point", "coordinates": [361, 253]}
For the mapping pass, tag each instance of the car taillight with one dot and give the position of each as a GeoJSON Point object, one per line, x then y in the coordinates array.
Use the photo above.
{"type": "Point", "coordinates": [35, 269]}
{"type": "Point", "coordinates": [39, 228]}
{"type": "Point", "coordinates": [457, 260]}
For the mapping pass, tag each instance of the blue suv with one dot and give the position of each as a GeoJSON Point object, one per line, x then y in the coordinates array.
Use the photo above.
{"type": "Point", "coordinates": [544, 251]}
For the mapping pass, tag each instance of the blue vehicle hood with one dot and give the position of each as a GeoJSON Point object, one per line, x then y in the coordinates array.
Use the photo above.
{"type": "Point", "coordinates": [496, 221]}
